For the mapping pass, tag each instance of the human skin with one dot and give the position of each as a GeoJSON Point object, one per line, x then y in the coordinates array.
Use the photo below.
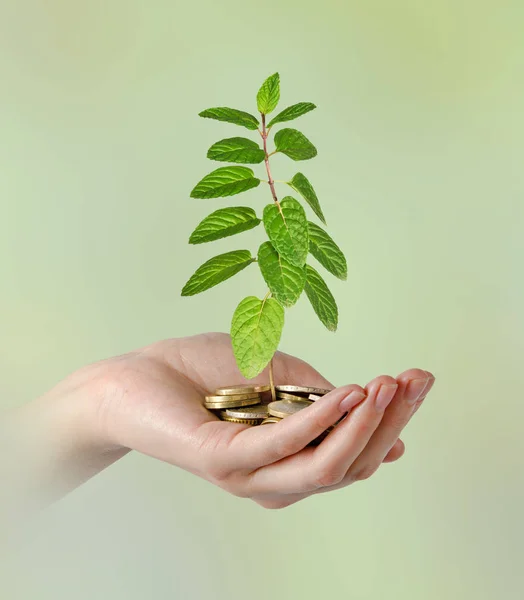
{"type": "Point", "coordinates": [151, 401]}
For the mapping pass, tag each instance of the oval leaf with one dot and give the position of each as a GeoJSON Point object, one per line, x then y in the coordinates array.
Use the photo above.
{"type": "Point", "coordinates": [286, 281]}
{"type": "Point", "coordinates": [292, 112]}
{"type": "Point", "coordinates": [226, 181]}
{"type": "Point", "coordinates": [321, 299]}
{"type": "Point", "coordinates": [301, 184]}
{"type": "Point", "coordinates": [237, 150]}
{"type": "Point", "coordinates": [328, 254]}
{"type": "Point", "coordinates": [294, 144]}
{"type": "Point", "coordinates": [269, 94]}
{"type": "Point", "coordinates": [231, 115]}
{"type": "Point", "coordinates": [256, 329]}
{"type": "Point", "coordinates": [223, 223]}
{"type": "Point", "coordinates": [216, 270]}
{"type": "Point", "coordinates": [287, 230]}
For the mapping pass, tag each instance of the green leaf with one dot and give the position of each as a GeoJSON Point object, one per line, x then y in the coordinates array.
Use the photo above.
{"type": "Point", "coordinates": [226, 181]}
{"type": "Point", "coordinates": [287, 230]}
{"type": "Point", "coordinates": [328, 254]}
{"type": "Point", "coordinates": [321, 299]}
{"type": "Point", "coordinates": [216, 270]}
{"type": "Point", "coordinates": [285, 280]}
{"type": "Point", "coordinates": [231, 115]}
{"type": "Point", "coordinates": [237, 150]}
{"type": "Point", "coordinates": [301, 184]}
{"type": "Point", "coordinates": [269, 94]}
{"type": "Point", "coordinates": [292, 112]}
{"type": "Point", "coordinates": [294, 144]}
{"type": "Point", "coordinates": [256, 329]}
{"type": "Point", "coordinates": [223, 223]}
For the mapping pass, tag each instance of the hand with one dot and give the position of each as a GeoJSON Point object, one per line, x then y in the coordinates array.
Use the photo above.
{"type": "Point", "coordinates": [151, 400]}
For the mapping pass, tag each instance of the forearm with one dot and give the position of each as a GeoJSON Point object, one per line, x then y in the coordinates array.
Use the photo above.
{"type": "Point", "coordinates": [50, 446]}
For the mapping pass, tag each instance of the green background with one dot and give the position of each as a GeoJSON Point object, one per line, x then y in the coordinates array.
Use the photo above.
{"type": "Point", "coordinates": [420, 129]}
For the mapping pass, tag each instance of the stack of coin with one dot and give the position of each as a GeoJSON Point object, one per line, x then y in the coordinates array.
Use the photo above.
{"type": "Point", "coordinates": [239, 403]}
{"type": "Point", "coordinates": [293, 398]}
{"type": "Point", "coordinates": [291, 392]}
{"type": "Point", "coordinates": [246, 403]}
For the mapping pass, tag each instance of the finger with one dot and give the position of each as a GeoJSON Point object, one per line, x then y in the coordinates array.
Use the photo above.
{"type": "Point", "coordinates": [420, 401]}
{"type": "Point", "coordinates": [259, 446]}
{"type": "Point", "coordinates": [284, 500]}
{"type": "Point", "coordinates": [396, 452]}
{"type": "Point", "coordinates": [413, 385]}
{"type": "Point", "coordinates": [369, 461]}
{"type": "Point", "coordinates": [328, 463]}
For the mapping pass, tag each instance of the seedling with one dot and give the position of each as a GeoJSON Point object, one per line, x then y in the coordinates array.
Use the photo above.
{"type": "Point", "coordinates": [257, 323]}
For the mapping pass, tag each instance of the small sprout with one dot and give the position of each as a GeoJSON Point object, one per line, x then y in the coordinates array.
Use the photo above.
{"type": "Point", "coordinates": [257, 324]}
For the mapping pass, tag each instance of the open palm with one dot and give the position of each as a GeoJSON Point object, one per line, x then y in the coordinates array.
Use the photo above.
{"type": "Point", "coordinates": [153, 403]}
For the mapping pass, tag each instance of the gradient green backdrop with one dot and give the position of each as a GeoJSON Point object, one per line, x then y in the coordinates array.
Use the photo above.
{"type": "Point", "coordinates": [420, 130]}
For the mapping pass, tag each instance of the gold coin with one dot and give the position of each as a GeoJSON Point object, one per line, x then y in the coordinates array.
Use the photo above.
{"type": "Point", "coordinates": [243, 421]}
{"type": "Point", "coordinates": [224, 397]}
{"type": "Point", "coordinates": [285, 396]}
{"type": "Point", "coordinates": [241, 389]}
{"type": "Point", "coordinates": [270, 420]}
{"type": "Point", "coordinates": [285, 408]}
{"type": "Point", "coordinates": [299, 389]}
{"type": "Point", "coordinates": [230, 403]}
{"type": "Point", "coordinates": [251, 412]}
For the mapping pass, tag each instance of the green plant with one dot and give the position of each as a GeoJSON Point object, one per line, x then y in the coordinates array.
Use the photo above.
{"type": "Point", "coordinates": [257, 323]}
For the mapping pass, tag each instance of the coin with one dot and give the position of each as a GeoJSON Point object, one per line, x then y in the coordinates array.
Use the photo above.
{"type": "Point", "coordinates": [251, 412]}
{"type": "Point", "coordinates": [241, 389]}
{"type": "Point", "coordinates": [299, 389]}
{"type": "Point", "coordinates": [285, 408]}
{"type": "Point", "coordinates": [229, 402]}
{"type": "Point", "coordinates": [224, 397]}
{"type": "Point", "coordinates": [270, 420]}
{"type": "Point", "coordinates": [285, 396]}
{"type": "Point", "coordinates": [243, 421]}
{"type": "Point", "coordinates": [314, 397]}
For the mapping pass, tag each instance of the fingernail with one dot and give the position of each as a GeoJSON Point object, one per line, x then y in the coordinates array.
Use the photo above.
{"type": "Point", "coordinates": [384, 396]}
{"type": "Point", "coordinates": [351, 400]}
{"type": "Point", "coordinates": [415, 390]}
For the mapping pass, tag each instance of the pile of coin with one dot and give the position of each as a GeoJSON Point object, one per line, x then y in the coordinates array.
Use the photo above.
{"type": "Point", "coordinates": [252, 405]}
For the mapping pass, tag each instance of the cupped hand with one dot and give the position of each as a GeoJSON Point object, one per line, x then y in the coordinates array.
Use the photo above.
{"type": "Point", "coordinates": [151, 401]}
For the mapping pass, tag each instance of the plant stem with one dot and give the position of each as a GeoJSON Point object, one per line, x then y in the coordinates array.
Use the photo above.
{"type": "Point", "coordinates": [270, 180]}
{"type": "Point", "coordinates": [264, 133]}
{"type": "Point", "coordinates": [272, 381]}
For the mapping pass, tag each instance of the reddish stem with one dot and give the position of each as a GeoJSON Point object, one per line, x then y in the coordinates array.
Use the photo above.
{"type": "Point", "coordinates": [270, 180]}
{"type": "Point", "coordinates": [264, 133]}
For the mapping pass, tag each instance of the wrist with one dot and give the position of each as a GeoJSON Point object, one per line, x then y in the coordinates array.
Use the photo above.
{"type": "Point", "coordinates": [59, 439]}
{"type": "Point", "coordinates": [68, 415]}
